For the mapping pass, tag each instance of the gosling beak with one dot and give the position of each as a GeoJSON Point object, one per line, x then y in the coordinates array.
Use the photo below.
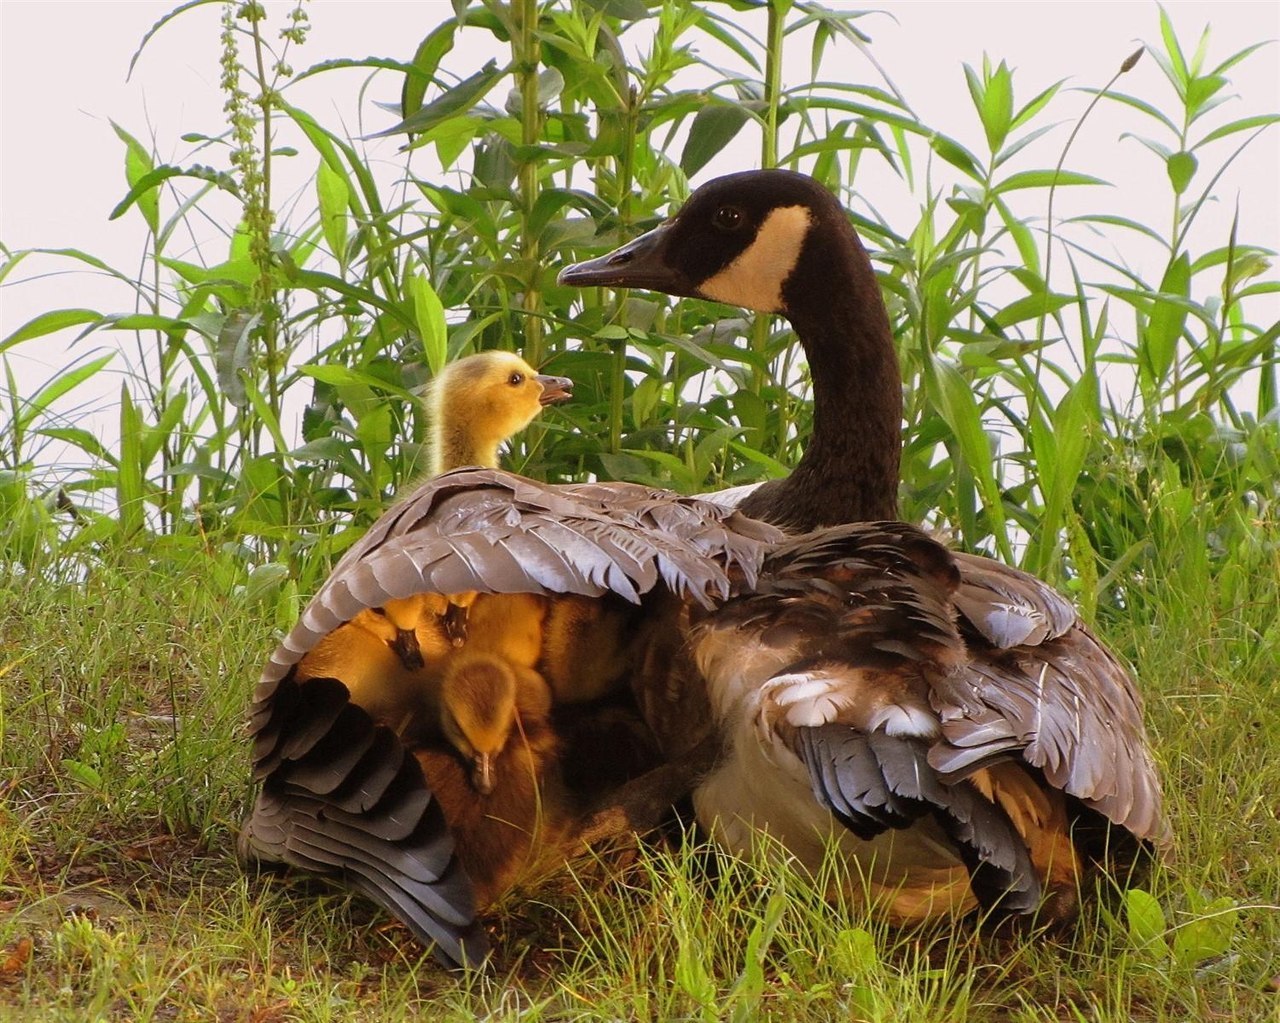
{"type": "Point", "coordinates": [482, 773]}
{"type": "Point", "coordinates": [406, 647]}
{"type": "Point", "coordinates": [454, 623]}
{"type": "Point", "coordinates": [640, 263]}
{"type": "Point", "coordinates": [554, 389]}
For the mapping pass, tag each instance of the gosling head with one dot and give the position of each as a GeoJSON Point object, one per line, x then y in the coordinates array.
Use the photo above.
{"type": "Point", "coordinates": [752, 239]}
{"type": "Point", "coordinates": [478, 712]}
{"type": "Point", "coordinates": [478, 402]}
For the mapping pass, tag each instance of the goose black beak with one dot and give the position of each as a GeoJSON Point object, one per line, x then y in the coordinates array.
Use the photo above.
{"type": "Point", "coordinates": [554, 389]}
{"type": "Point", "coordinates": [640, 263]}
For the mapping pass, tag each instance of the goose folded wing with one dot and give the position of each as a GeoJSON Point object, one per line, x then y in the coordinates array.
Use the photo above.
{"type": "Point", "coordinates": [1065, 706]}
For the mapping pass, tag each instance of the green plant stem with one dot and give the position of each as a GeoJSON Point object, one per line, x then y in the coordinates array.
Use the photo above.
{"type": "Point", "coordinates": [266, 296]}
{"type": "Point", "coordinates": [769, 153]}
{"type": "Point", "coordinates": [525, 55]}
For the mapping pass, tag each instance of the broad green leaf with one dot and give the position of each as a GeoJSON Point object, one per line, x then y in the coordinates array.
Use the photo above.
{"type": "Point", "coordinates": [428, 312]}
{"type": "Point", "coordinates": [1208, 935]}
{"type": "Point", "coordinates": [713, 128]}
{"type": "Point", "coordinates": [422, 71]}
{"type": "Point", "coordinates": [232, 357]}
{"type": "Point", "coordinates": [1146, 921]}
{"type": "Point", "coordinates": [997, 107]}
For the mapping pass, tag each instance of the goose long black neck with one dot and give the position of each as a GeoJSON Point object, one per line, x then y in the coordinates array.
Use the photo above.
{"type": "Point", "coordinates": [850, 468]}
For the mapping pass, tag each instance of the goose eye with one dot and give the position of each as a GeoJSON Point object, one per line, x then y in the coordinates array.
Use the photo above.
{"type": "Point", "coordinates": [727, 218]}
{"type": "Point", "coordinates": [516, 379]}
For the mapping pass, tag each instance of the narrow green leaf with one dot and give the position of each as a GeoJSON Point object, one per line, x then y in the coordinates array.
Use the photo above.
{"type": "Point", "coordinates": [137, 166]}
{"type": "Point", "coordinates": [428, 313]}
{"type": "Point", "coordinates": [1031, 306]}
{"type": "Point", "coordinates": [331, 193]}
{"type": "Point", "coordinates": [60, 385]}
{"type": "Point", "coordinates": [956, 155]}
{"type": "Point", "coordinates": [1244, 124]}
{"type": "Point", "coordinates": [131, 470]}
{"type": "Point", "coordinates": [1174, 50]}
{"type": "Point", "coordinates": [1045, 179]}
{"type": "Point", "coordinates": [49, 323]}
{"type": "Point", "coordinates": [463, 96]}
{"type": "Point", "coordinates": [1036, 105]}
{"type": "Point", "coordinates": [145, 186]}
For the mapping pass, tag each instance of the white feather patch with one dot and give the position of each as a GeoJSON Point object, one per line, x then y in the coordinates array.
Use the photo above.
{"type": "Point", "coordinates": [755, 279]}
{"type": "Point", "coordinates": [897, 719]}
{"type": "Point", "coordinates": [806, 699]}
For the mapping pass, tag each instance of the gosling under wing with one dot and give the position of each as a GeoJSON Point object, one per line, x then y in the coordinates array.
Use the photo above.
{"type": "Point", "coordinates": [464, 532]}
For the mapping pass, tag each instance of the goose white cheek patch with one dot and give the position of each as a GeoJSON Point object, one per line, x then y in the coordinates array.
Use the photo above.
{"type": "Point", "coordinates": [755, 279]}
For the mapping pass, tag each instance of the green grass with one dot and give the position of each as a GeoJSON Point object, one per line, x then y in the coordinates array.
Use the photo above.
{"type": "Point", "coordinates": [124, 770]}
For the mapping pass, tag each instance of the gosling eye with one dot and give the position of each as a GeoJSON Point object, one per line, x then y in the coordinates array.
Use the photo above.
{"type": "Point", "coordinates": [516, 379]}
{"type": "Point", "coordinates": [727, 218]}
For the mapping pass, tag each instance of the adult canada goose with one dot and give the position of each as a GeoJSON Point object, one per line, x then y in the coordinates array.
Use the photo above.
{"type": "Point", "coordinates": [949, 719]}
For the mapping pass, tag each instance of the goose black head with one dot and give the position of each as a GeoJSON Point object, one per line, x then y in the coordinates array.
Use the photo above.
{"type": "Point", "coordinates": [740, 239]}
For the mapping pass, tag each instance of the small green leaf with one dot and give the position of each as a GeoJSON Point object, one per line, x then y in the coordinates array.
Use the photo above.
{"type": "Point", "coordinates": [956, 155]}
{"type": "Point", "coordinates": [1182, 168]}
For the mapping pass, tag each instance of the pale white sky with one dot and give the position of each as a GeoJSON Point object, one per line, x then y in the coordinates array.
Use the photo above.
{"type": "Point", "coordinates": [62, 80]}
